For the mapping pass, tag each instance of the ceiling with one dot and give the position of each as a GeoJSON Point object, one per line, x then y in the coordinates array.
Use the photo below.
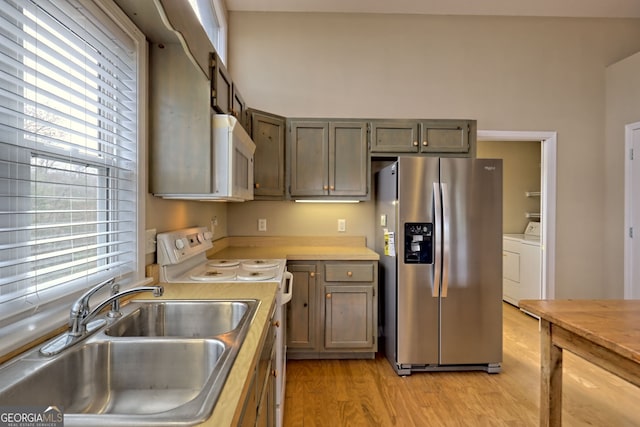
{"type": "Point", "coordinates": [561, 8]}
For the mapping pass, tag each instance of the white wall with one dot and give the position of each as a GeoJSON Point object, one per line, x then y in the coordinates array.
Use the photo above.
{"type": "Point", "coordinates": [530, 74]}
{"type": "Point", "coordinates": [622, 108]}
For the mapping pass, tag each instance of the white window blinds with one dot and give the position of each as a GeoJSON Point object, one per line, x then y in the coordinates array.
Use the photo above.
{"type": "Point", "coordinates": [68, 156]}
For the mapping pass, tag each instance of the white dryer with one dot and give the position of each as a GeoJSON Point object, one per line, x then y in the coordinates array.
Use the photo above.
{"type": "Point", "coordinates": [521, 265]}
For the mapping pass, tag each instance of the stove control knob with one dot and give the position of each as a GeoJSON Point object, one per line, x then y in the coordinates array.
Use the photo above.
{"type": "Point", "coordinates": [208, 235]}
{"type": "Point", "coordinates": [179, 244]}
{"type": "Point", "coordinates": [200, 237]}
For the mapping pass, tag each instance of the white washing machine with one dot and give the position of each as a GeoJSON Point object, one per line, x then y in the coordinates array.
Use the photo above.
{"type": "Point", "coordinates": [521, 265]}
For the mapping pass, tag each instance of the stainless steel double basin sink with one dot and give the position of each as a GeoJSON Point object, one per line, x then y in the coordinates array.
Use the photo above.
{"type": "Point", "coordinates": [162, 363]}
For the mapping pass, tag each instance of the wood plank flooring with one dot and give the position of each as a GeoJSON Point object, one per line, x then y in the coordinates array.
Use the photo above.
{"type": "Point", "coordinates": [337, 393]}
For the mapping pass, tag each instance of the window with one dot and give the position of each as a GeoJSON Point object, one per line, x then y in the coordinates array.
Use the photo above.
{"type": "Point", "coordinates": [212, 17]}
{"type": "Point", "coordinates": [69, 155]}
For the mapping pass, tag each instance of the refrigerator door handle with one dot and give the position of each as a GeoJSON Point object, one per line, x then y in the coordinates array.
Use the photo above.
{"type": "Point", "coordinates": [436, 240]}
{"type": "Point", "coordinates": [446, 239]}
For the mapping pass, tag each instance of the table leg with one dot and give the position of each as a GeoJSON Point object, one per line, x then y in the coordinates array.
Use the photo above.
{"type": "Point", "coordinates": [550, 378]}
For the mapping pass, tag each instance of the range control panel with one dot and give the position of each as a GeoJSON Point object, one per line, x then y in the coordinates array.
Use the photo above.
{"type": "Point", "coordinates": [418, 243]}
{"type": "Point", "coordinates": [177, 246]}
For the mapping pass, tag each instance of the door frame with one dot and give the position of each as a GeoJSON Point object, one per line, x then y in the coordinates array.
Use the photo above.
{"type": "Point", "coordinates": [628, 209]}
{"type": "Point", "coordinates": [549, 142]}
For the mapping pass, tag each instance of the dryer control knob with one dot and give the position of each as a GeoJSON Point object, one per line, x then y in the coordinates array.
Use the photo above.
{"type": "Point", "coordinates": [179, 244]}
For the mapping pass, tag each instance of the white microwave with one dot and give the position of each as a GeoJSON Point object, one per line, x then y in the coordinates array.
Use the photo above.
{"type": "Point", "coordinates": [233, 152]}
{"type": "Point", "coordinates": [229, 176]}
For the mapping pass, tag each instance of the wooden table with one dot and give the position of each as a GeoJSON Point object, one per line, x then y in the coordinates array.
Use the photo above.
{"type": "Point", "coordinates": [604, 332]}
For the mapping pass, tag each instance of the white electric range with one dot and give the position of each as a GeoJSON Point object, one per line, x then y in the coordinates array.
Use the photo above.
{"type": "Point", "coordinates": [182, 259]}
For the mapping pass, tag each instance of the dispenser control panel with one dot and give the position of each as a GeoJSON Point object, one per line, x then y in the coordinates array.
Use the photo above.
{"type": "Point", "coordinates": [418, 243]}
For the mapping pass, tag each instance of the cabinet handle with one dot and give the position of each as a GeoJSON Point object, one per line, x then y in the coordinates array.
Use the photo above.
{"type": "Point", "coordinates": [274, 372]}
{"type": "Point", "coordinates": [425, 143]}
{"type": "Point", "coordinates": [276, 323]}
{"type": "Point", "coordinates": [325, 187]}
{"type": "Point", "coordinates": [415, 143]}
{"type": "Point", "coordinates": [305, 304]}
{"type": "Point", "coordinates": [332, 188]}
{"type": "Point", "coordinates": [349, 273]}
{"type": "Point", "coordinates": [328, 296]}
{"type": "Point", "coordinates": [257, 185]}
{"type": "Point", "coordinates": [312, 274]}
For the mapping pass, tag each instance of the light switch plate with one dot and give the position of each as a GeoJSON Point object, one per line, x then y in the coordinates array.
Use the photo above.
{"type": "Point", "coordinates": [262, 224]}
{"type": "Point", "coordinates": [342, 225]}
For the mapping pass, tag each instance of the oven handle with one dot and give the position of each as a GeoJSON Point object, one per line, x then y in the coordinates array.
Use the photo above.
{"type": "Point", "coordinates": [287, 293]}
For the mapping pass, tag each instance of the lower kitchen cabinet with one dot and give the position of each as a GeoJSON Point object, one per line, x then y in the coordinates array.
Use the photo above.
{"type": "Point", "coordinates": [301, 311]}
{"type": "Point", "coordinates": [259, 408]}
{"type": "Point", "coordinates": [334, 310]}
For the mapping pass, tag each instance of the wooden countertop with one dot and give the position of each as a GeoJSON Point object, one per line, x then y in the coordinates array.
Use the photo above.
{"type": "Point", "coordinates": [613, 324]}
{"type": "Point", "coordinates": [229, 405]}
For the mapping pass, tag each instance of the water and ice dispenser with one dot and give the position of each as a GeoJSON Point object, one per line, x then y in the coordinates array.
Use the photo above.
{"type": "Point", "coordinates": [418, 243]}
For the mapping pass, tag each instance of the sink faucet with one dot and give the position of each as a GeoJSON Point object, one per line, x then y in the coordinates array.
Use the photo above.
{"type": "Point", "coordinates": [81, 314]}
{"type": "Point", "coordinates": [114, 300]}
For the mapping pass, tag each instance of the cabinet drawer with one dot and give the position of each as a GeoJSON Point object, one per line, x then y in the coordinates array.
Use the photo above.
{"type": "Point", "coordinates": [349, 272]}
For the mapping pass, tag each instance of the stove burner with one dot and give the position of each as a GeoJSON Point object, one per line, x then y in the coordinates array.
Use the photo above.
{"type": "Point", "coordinates": [213, 273]}
{"type": "Point", "coordinates": [256, 264]}
{"type": "Point", "coordinates": [223, 263]}
{"type": "Point", "coordinates": [256, 275]}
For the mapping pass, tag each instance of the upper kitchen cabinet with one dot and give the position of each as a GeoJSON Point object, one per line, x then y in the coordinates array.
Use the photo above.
{"type": "Point", "coordinates": [430, 137]}
{"type": "Point", "coordinates": [181, 152]}
{"type": "Point", "coordinates": [328, 159]}
{"type": "Point", "coordinates": [221, 86]}
{"type": "Point", "coordinates": [268, 133]}
{"type": "Point", "coordinates": [239, 107]}
{"type": "Point", "coordinates": [394, 136]}
{"type": "Point", "coordinates": [225, 94]}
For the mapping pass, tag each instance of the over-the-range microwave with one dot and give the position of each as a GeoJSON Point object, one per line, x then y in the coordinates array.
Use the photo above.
{"type": "Point", "coordinates": [232, 152]}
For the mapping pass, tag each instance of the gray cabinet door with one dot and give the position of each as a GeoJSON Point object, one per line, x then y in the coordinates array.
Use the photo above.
{"type": "Point", "coordinates": [239, 106]}
{"type": "Point", "coordinates": [268, 133]}
{"type": "Point", "coordinates": [349, 319]}
{"type": "Point", "coordinates": [394, 136]}
{"type": "Point", "coordinates": [309, 162]}
{"type": "Point", "coordinates": [444, 136]}
{"type": "Point", "coordinates": [301, 313]}
{"type": "Point", "coordinates": [348, 159]}
{"type": "Point", "coordinates": [221, 86]}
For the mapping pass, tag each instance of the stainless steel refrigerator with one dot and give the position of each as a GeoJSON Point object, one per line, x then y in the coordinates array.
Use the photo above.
{"type": "Point", "coordinates": [439, 236]}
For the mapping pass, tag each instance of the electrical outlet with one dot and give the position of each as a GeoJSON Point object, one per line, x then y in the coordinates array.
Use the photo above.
{"type": "Point", "coordinates": [262, 224]}
{"type": "Point", "coordinates": [150, 241]}
{"type": "Point", "coordinates": [342, 225]}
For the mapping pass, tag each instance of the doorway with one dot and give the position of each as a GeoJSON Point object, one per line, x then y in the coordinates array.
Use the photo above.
{"type": "Point", "coordinates": [632, 212]}
{"type": "Point", "coordinates": [547, 197]}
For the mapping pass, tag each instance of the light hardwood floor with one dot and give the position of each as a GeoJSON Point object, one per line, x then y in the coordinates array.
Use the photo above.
{"type": "Point", "coordinates": [336, 393]}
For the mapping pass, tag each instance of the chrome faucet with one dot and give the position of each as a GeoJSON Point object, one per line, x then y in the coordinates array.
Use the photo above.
{"type": "Point", "coordinates": [81, 314]}
{"type": "Point", "coordinates": [114, 300]}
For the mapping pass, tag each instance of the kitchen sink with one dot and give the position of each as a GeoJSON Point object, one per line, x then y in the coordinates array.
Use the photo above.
{"type": "Point", "coordinates": [144, 369]}
{"type": "Point", "coordinates": [194, 319]}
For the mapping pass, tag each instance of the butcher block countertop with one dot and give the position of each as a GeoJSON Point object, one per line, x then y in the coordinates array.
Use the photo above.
{"type": "Point", "coordinates": [294, 248]}
{"type": "Point", "coordinates": [229, 404]}
{"type": "Point", "coordinates": [603, 332]}
{"type": "Point", "coordinates": [613, 324]}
